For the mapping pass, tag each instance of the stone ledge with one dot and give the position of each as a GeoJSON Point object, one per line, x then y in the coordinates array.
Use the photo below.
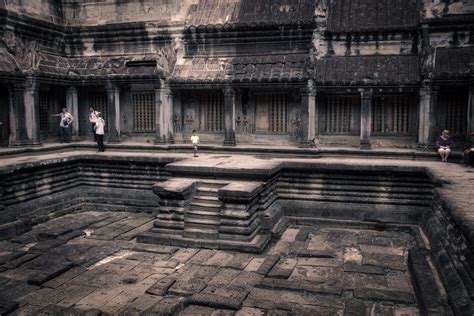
{"type": "Point", "coordinates": [256, 245]}
{"type": "Point", "coordinates": [176, 188]}
{"type": "Point", "coordinates": [240, 191]}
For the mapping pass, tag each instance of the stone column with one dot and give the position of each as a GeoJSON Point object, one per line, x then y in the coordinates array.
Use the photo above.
{"type": "Point", "coordinates": [18, 135]}
{"type": "Point", "coordinates": [470, 114]}
{"type": "Point", "coordinates": [308, 114]}
{"type": "Point", "coordinates": [24, 114]}
{"type": "Point", "coordinates": [427, 117]}
{"type": "Point", "coordinates": [164, 114]}
{"type": "Point", "coordinates": [113, 107]}
{"type": "Point", "coordinates": [72, 105]}
{"type": "Point", "coordinates": [229, 109]}
{"type": "Point", "coordinates": [366, 96]}
{"type": "Point", "coordinates": [31, 103]}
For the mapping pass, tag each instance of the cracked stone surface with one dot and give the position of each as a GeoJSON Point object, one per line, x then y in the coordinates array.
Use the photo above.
{"type": "Point", "coordinates": [309, 270]}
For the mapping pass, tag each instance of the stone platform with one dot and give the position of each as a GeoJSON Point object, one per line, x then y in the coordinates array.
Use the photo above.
{"type": "Point", "coordinates": [305, 220]}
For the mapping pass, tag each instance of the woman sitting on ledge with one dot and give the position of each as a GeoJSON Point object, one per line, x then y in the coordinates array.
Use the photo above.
{"type": "Point", "coordinates": [444, 144]}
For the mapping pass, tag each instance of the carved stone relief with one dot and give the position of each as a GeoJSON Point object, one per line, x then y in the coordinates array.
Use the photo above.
{"type": "Point", "coordinates": [24, 53]}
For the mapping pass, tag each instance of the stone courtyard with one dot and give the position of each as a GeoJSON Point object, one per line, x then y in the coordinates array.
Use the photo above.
{"type": "Point", "coordinates": [88, 261]}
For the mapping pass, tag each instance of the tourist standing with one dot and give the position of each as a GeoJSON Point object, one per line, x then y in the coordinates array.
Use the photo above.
{"type": "Point", "coordinates": [444, 144]}
{"type": "Point", "coordinates": [195, 142]}
{"type": "Point", "coordinates": [99, 131]}
{"type": "Point", "coordinates": [64, 125]}
{"type": "Point", "coordinates": [93, 119]}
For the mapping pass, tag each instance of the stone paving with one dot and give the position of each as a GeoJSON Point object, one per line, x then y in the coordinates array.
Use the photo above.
{"type": "Point", "coordinates": [88, 263]}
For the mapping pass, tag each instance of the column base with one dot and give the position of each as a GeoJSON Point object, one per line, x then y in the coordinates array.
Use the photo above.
{"type": "Point", "coordinates": [25, 144]}
{"type": "Point", "coordinates": [160, 140]}
{"type": "Point", "coordinates": [305, 144]}
{"type": "Point", "coordinates": [424, 147]}
{"type": "Point", "coordinates": [229, 142]}
{"type": "Point", "coordinates": [114, 140]}
{"type": "Point", "coordinates": [365, 145]}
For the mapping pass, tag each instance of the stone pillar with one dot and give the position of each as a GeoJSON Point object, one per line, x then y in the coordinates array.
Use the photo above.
{"type": "Point", "coordinates": [18, 135]}
{"type": "Point", "coordinates": [113, 107]}
{"type": "Point", "coordinates": [24, 114]}
{"type": "Point", "coordinates": [308, 115]}
{"type": "Point", "coordinates": [366, 96]}
{"type": "Point", "coordinates": [72, 105]}
{"type": "Point", "coordinates": [427, 117]}
{"type": "Point", "coordinates": [32, 120]}
{"type": "Point", "coordinates": [163, 114]}
{"type": "Point", "coordinates": [470, 114]}
{"type": "Point", "coordinates": [229, 108]}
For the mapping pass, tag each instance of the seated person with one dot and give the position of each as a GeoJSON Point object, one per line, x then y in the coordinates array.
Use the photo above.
{"type": "Point", "coordinates": [444, 144]}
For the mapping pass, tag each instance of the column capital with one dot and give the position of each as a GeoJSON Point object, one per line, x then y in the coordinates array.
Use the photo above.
{"type": "Point", "coordinates": [309, 89]}
{"type": "Point", "coordinates": [31, 83]}
{"type": "Point", "coordinates": [229, 91]}
{"type": "Point", "coordinates": [111, 86]}
{"type": "Point", "coordinates": [429, 89]}
{"type": "Point", "coordinates": [366, 93]}
{"type": "Point", "coordinates": [71, 89]}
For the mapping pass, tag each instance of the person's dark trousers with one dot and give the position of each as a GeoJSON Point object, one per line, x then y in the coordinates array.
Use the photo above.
{"type": "Point", "coordinates": [468, 159]}
{"type": "Point", "coordinates": [65, 135]}
{"type": "Point", "coordinates": [100, 142]}
{"type": "Point", "coordinates": [93, 131]}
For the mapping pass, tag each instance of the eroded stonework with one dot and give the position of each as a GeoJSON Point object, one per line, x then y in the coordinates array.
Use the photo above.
{"type": "Point", "coordinates": [266, 52]}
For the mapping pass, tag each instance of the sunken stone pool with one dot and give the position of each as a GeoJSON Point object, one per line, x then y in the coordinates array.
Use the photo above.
{"type": "Point", "coordinates": [231, 235]}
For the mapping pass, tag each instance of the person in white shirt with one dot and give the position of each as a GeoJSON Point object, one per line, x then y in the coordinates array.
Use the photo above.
{"type": "Point", "coordinates": [195, 142]}
{"type": "Point", "coordinates": [64, 125]}
{"type": "Point", "coordinates": [93, 119]}
{"type": "Point", "coordinates": [99, 128]}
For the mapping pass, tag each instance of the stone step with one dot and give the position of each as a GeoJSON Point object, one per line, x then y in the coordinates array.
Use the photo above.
{"type": "Point", "coordinates": [348, 177]}
{"type": "Point", "coordinates": [204, 221]}
{"type": "Point", "coordinates": [312, 196]}
{"type": "Point", "coordinates": [213, 208]}
{"type": "Point", "coordinates": [197, 212]}
{"type": "Point", "coordinates": [206, 203]}
{"type": "Point", "coordinates": [327, 187]}
{"type": "Point", "coordinates": [207, 198]}
{"type": "Point", "coordinates": [355, 193]}
{"type": "Point", "coordinates": [205, 191]}
{"type": "Point", "coordinates": [211, 184]}
{"type": "Point", "coordinates": [199, 232]}
{"type": "Point", "coordinates": [388, 182]}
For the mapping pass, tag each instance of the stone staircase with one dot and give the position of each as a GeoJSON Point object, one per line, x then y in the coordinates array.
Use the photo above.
{"type": "Point", "coordinates": [202, 216]}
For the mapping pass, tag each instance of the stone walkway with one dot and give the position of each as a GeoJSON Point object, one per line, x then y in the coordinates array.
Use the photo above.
{"type": "Point", "coordinates": [90, 262]}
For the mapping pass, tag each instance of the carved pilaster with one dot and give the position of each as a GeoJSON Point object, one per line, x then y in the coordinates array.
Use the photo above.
{"type": "Point", "coordinates": [24, 111]}
{"type": "Point", "coordinates": [427, 117]}
{"type": "Point", "coordinates": [229, 108]}
{"type": "Point", "coordinates": [366, 96]}
{"type": "Point", "coordinates": [113, 106]}
{"type": "Point", "coordinates": [164, 114]}
{"type": "Point", "coordinates": [308, 114]}
{"type": "Point", "coordinates": [72, 104]}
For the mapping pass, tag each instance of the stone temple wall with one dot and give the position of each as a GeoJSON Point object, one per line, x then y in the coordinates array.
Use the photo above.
{"type": "Point", "coordinates": [115, 11]}
{"type": "Point", "coordinates": [397, 55]}
{"type": "Point", "coordinates": [47, 10]}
